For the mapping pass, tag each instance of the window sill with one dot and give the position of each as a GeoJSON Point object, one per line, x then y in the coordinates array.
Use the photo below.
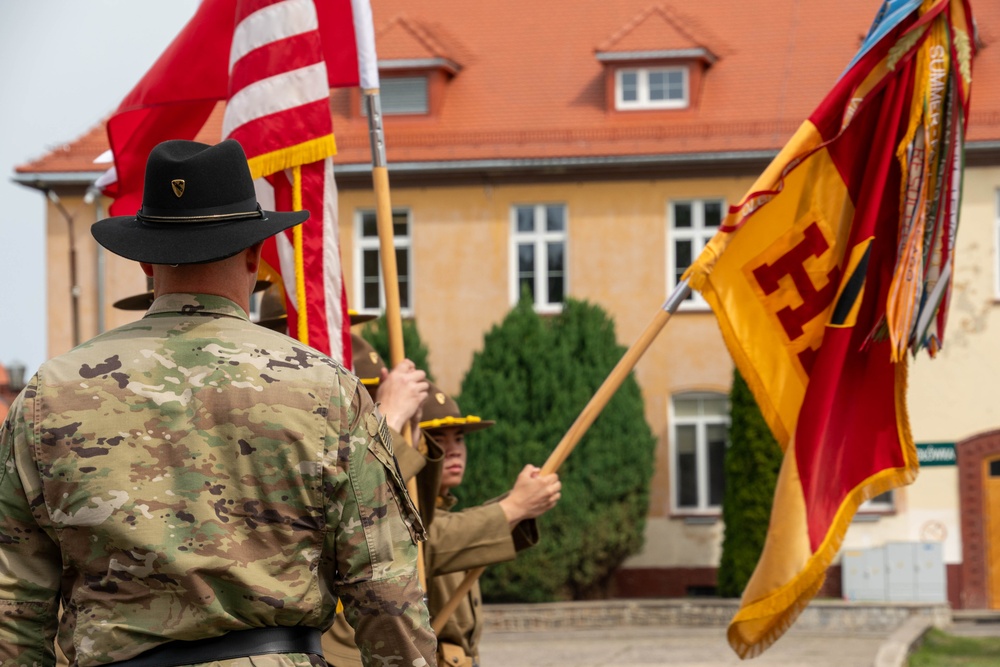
{"type": "Point", "coordinates": [405, 313]}
{"type": "Point", "coordinates": [698, 519]}
{"type": "Point", "coordinates": [632, 108]}
{"type": "Point", "coordinates": [871, 516]}
{"type": "Point", "coordinates": [694, 308]}
{"type": "Point", "coordinates": [548, 309]}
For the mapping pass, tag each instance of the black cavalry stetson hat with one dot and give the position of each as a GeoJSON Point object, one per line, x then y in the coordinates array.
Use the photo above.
{"type": "Point", "coordinates": [198, 205]}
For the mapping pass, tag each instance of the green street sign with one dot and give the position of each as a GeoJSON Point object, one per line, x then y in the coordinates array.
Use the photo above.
{"type": "Point", "coordinates": [936, 453]}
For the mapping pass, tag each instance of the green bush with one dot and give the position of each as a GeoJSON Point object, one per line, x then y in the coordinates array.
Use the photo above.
{"type": "Point", "coordinates": [751, 468]}
{"type": "Point", "coordinates": [534, 377]}
{"type": "Point", "coordinates": [377, 334]}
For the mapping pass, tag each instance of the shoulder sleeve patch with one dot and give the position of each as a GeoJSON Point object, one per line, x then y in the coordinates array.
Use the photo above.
{"type": "Point", "coordinates": [379, 428]}
{"type": "Point", "coordinates": [381, 447]}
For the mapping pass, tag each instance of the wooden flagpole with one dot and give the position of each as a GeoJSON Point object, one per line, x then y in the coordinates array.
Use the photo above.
{"type": "Point", "coordinates": [586, 418]}
{"type": "Point", "coordinates": [390, 275]}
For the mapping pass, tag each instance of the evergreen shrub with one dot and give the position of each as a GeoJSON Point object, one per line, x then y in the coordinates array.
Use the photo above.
{"type": "Point", "coordinates": [534, 377]}
{"type": "Point", "coordinates": [751, 469]}
{"type": "Point", "coordinates": [377, 334]}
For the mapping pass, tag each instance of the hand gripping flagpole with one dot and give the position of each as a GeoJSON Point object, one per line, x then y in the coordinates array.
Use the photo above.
{"type": "Point", "coordinates": [390, 275]}
{"type": "Point", "coordinates": [586, 418]}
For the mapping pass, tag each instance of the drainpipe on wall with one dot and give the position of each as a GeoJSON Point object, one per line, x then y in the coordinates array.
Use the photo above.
{"type": "Point", "coordinates": [74, 288]}
{"type": "Point", "coordinates": [94, 193]}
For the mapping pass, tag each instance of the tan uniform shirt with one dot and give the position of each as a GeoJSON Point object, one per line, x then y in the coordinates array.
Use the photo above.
{"type": "Point", "coordinates": [460, 541]}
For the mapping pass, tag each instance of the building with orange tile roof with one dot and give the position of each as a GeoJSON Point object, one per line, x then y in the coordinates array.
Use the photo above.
{"type": "Point", "coordinates": [527, 109]}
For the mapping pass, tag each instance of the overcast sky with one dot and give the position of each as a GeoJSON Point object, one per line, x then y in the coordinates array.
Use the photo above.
{"type": "Point", "coordinates": [67, 63]}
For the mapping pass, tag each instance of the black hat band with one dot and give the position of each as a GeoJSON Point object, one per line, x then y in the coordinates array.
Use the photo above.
{"type": "Point", "coordinates": [218, 213]}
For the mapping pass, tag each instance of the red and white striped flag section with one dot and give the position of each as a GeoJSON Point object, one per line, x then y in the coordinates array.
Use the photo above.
{"type": "Point", "coordinates": [835, 264]}
{"type": "Point", "coordinates": [278, 109]}
{"type": "Point", "coordinates": [177, 95]}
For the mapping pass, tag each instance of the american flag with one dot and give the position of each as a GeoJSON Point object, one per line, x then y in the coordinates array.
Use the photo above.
{"type": "Point", "coordinates": [278, 110]}
{"type": "Point", "coordinates": [273, 61]}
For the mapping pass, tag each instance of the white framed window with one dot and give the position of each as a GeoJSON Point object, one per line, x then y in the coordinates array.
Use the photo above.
{"type": "Point", "coordinates": [699, 436]}
{"type": "Point", "coordinates": [401, 95]}
{"type": "Point", "coordinates": [693, 223]}
{"type": "Point", "coordinates": [651, 88]}
{"type": "Point", "coordinates": [369, 286]}
{"type": "Point", "coordinates": [882, 503]}
{"type": "Point", "coordinates": [538, 254]}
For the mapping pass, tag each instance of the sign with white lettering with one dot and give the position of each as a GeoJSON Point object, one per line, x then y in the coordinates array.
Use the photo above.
{"type": "Point", "coordinates": [936, 453]}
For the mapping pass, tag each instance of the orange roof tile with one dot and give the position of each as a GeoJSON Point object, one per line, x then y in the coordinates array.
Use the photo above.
{"type": "Point", "coordinates": [405, 39]}
{"type": "Point", "coordinates": [658, 28]}
{"type": "Point", "coordinates": [531, 84]}
{"type": "Point", "coordinates": [78, 155]}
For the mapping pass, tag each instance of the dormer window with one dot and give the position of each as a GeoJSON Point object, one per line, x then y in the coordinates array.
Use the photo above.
{"type": "Point", "coordinates": [651, 88]}
{"type": "Point", "coordinates": [415, 66]}
{"type": "Point", "coordinates": [402, 95]}
{"type": "Point", "coordinates": [655, 62]}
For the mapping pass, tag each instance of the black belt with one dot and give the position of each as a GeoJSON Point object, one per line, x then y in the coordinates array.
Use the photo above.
{"type": "Point", "coordinates": [236, 644]}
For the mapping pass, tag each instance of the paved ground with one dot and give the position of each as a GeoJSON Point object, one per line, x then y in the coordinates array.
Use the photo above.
{"type": "Point", "coordinates": [971, 623]}
{"type": "Point", "coordinates": [692, 633]}
{"type": "Point", "coordinates": [672, 645]}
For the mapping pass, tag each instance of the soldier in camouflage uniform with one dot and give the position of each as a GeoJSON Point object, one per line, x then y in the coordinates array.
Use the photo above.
{"type": "Point", "coordinates": [400, 395]}
{"type": "Point", "coordinates": [192, 487]}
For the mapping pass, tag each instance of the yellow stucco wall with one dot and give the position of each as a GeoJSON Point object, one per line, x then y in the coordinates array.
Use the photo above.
{"type": "Point", "coordinates": [617, 249]}
{"type": "Point", "coordinates": [121, 277]}
{"type": "Point", "coordinates": [952, 396]}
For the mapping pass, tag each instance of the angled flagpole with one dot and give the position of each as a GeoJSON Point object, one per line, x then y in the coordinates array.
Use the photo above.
{"type": "Point", "coordinates": [390, 274]}
{"type": "Point", "coordinates": [586, 418]}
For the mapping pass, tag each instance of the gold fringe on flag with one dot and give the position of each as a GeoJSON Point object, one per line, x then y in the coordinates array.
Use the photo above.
{"type": "Point", "coordinates": [307, 152]}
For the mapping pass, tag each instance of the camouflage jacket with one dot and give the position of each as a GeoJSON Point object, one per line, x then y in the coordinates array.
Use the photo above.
{"type": "Point", "coordinates": [339, 646]}
{"type": "Point", "coordinates": [191, 474]}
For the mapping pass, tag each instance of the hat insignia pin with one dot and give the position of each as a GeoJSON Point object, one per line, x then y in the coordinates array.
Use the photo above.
{"type": "Point", "coordinates": [439, 397]}
{"type": "Point", "coordinates": [178, 186]}
{"type": "Point", "coordinates": [373, 356]}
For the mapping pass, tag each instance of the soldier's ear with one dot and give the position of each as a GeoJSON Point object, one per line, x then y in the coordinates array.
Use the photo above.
{"type": "Point", "coordinates": [253, 256]}
{"type": "Point", "coordinates": [147, 268]}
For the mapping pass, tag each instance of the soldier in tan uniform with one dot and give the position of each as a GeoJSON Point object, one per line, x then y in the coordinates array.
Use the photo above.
{"type": "Point", "coordinates": [400, 395]}
{"type": "Point", "coordinates": [475, 537]}
{"type": "Point", "coordinates": [194, 488]}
